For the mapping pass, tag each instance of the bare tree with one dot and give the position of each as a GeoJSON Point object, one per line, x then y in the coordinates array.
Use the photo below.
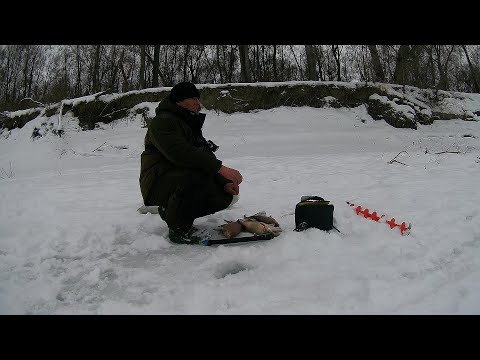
{"type": "Point", "coordinates": [442, 57]}
{"type": "Point", "coordinates": [125, 81]}
{"type": "Point", "coordinates": [220, 52]}
{"type": "Point", "coordinates": [96, 69]}
{"type": "Point", "coordinates": [320, 60]}
{"type": "Point", "coordinates": [196, 63]}
{"type": "Point", "coordinates": [54, 72]}
{"type": "Point", "coordinates": [225, 62]}
{"type": "Point", "coordinates": [112, 81]}
{"type": "Point", "coordinates": [311, 63]}
{"type": "Point", "coordinates": [29, 58]}
{"type": "Point", "coordinates": [186, 54]}
{"type": "Point", "coordinates": [300, 68]}
{"type": "Point", "coordinates": [430, 67]}
{"type": "Point", "coordinates": [336, 52]}
{"type": "Point", "coordinates": [264, 62]}
{"type": "Point", "coordinates": [170, 55]}
{"type": "Point", "coordinates": [388, 56]}
{"type": "Point", "coordinates": [472, 70]}
{"type": "Point", "coordinates": [141, 81]}
{"type": "Point", "coordinates": [376, 64]}
{"type": "Point", "coordinates": [274, 63]}
{"type": "Point", "coordinates": [78, 62]}
{"type": "Point", "coordinates": [245, 74]}
{"type": "Point", "coordinates": [402, 67]}
{"type": "Point", "coordinates": [417, 56]}
{"type": "Point", "coordinates": [156, 65]}
{"type": "Point", "coordinates": [11, 61]}
{"type": "Point", "coordinates": [256, 76]}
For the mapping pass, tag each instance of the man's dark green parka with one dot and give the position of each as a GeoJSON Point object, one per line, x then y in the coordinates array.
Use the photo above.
{"type": "Point", "coordinates": [173, 142]}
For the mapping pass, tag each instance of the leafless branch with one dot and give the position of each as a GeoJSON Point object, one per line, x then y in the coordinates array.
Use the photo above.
{"type": "Point", "coordinates": [9, 175]}
{"type": "Point", "coordinates": [34, 101]}
{"type": "Point", "coordinates": [99, 146]}
{"type": "Point", "coordinates": [115, 111]}
{"type": "Point", "coordinates": [393, 160]}
{"type": "Point", "coordinates": [450, 152]}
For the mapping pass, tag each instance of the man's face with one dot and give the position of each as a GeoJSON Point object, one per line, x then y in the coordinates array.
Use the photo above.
{"type": "Point", "coordinates": [192, 104]}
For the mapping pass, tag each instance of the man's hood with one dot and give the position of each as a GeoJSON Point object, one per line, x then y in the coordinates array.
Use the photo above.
{"type": "Point", "coordinates": [195, 121]}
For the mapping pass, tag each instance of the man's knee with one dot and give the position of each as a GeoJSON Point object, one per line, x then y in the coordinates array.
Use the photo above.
{"type": "Point", "coordinates": [188, 199]}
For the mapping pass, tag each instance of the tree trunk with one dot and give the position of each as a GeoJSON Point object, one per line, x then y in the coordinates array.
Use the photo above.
{"type": "Point", "coordinates": [274, 60]}
{"type": "Point", "coordinates": [415, 56]}
{"type": "Point", "coordinates": [319, 57]}
{"type": "Point", "coordinates": [431, 65]}
{"type": "Point", "coordinates": [126, 85]}
{"type": "Point", "coordinates": [296, 61]}
{"type": "Point", "coordinates": [232, 62]}
{"type": "Point", "coordinates": [33, 67]}
{"type": "Point", "coordinates": [78, 83]}
{"type": "Point", "coordinates": [377, 65]}
{"type": "Point", "coordinates": [443, 68]}
{"type": "Point", "coordinates": [114, 70]}
{"type": "Point", "coordinates": [311, 70]}
{"type": "Point", "coordinates": [219, 62]}
{"type": "Point", "coordinates": [96, 69]}
{"type": "Point", "coordinates": [30, 79]}
{"type": "Point", "coordinates": [66, 78]}
{"type": "Point", "coordinates": [25, 70]}
{"type": "Point", "coordinates": [8, 78]}
{"type": "Point", "coordinates": [141, 81]}
{"type": "Point", "coordinates": [155, 65]}
{"type": "Point", "coordinates": [256, 61]}
{"type": "Point", "coordinates": [336, 56]}
{"type": "Point", "coordinates": [472, 70]}
{"type": "Point", "coordinates": [245, 74]}
{"type": "Point", "coordinates": [185, 62]}
{"type": "Point", "coordinates": [401, 65]}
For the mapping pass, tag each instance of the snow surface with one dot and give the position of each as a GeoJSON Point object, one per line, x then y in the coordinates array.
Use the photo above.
{"type": "Point", "coordinates": [72, 241]}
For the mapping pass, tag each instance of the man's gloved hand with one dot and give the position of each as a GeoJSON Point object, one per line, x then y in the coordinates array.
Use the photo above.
{"type": "Point", "coordinates": [231, 174]}
{"type": "Point", "coordinates": [232, 188]}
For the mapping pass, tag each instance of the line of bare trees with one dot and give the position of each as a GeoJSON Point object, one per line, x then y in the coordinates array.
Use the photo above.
{"type": "Point", "coordinates": [49, 73]}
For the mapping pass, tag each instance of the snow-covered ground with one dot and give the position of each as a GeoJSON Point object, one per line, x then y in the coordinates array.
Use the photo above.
{"type": "Point", "coordinates": [72, 241]}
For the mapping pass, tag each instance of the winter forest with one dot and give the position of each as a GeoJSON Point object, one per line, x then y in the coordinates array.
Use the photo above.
{"type": "Point", "coordinates": [32, 75]}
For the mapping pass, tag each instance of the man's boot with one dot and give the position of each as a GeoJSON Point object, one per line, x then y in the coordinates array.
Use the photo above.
{"type": "Point", "coordinates": [191, 236]}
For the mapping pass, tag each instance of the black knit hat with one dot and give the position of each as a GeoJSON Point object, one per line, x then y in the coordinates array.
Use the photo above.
{"type": "Point", "coordinates": [182, 91]}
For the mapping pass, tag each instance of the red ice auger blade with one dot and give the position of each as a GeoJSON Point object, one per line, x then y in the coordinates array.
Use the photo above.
{"type": "Point", "coordinates": [403, 227]}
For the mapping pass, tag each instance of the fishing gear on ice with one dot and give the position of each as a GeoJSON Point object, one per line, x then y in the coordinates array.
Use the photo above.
{"type": "Point", "coordinates": [390, 221]}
